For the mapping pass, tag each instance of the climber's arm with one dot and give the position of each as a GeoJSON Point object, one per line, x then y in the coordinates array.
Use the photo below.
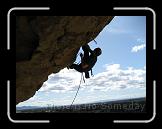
{"type": "Point", "coordinates": [81, 56]}
{"type": "Point", "coordinates": [87, 48]}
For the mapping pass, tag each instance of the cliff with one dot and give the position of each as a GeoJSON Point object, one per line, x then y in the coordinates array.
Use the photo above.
{"type": "Point", "coordinates": [47, 44]}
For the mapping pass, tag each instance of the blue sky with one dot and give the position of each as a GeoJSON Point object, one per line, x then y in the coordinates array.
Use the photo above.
{"type": "Point", "coordinates": [117, 40]}
{"type": "Point", "coordinates": [119, 73]}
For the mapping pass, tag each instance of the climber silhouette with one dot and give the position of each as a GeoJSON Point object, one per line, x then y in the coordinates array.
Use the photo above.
{"type": "Point", "coordinates": [87, 61]}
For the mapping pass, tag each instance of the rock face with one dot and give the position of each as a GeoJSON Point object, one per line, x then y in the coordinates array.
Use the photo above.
{"type": "Point", "coordinates": [47, 44]}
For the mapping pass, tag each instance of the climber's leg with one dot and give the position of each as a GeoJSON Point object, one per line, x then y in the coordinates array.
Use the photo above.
{"type": "Point", "coordinates": [76, 67]}
{"type": "Point", "coordinates": [87, 74]}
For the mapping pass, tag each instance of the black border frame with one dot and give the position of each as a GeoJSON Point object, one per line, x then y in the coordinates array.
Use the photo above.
{"type": "Point", "coordinates": [107, 116]}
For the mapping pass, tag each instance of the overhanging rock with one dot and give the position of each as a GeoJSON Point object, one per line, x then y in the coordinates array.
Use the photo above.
{"type": "Point", "coordinates": [47, 44]}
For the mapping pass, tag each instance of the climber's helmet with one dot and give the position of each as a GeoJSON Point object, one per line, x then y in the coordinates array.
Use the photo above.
{"type": "Point", "coordinates": [97, 51]}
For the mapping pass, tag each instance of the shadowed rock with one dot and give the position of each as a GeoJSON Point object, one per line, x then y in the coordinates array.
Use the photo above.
{"type": "Point", "coordinates": [47, 44]}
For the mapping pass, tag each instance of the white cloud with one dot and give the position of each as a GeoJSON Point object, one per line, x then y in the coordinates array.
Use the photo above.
{"type": "Point", "coordinates": [117, 30]}
{"type": "Point", "coordinates": [113, 78]}
{"type": "Point", "coordinates": [140, 40]}
{"type": "Point", "coordinates": [65, 80]}
{"type": "Point", "coordinates": [138, 48]}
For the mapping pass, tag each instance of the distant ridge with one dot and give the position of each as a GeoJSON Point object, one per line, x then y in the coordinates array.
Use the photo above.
{"type": "Point", "coordinates": [80, 108]}
{"type": "Point", "coordinates": [27, 107]}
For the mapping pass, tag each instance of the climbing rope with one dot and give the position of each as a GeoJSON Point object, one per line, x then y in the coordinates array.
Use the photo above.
{"type": "Point", "coordinates": [82, 77]}
{"type": "Point", "coordinates": [95, 41]}
{"type": "Point", "coordinates": [77, 90]}
{"type": "Point", "coordinates": [77, 57]}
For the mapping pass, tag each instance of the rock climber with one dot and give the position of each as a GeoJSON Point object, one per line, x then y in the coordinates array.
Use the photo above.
{"type": "Point", "coordinates": [87, 61]}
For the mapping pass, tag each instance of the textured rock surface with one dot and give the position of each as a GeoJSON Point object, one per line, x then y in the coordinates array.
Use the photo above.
{"type": "Point", "coordinates": [47, 44]}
